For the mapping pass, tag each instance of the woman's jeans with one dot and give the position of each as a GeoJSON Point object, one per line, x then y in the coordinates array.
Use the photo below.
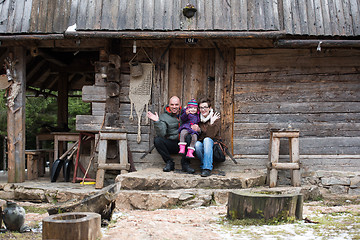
{"type": "Point", "coordinates": [204, 151]}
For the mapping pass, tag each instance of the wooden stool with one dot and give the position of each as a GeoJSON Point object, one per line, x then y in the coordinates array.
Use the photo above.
{"type": "Point", "coordinates": [124, 166]}
{"type": "Point", "coordinates": [34, 164]}
{"type": "Point", "coordinates": [293, 165]}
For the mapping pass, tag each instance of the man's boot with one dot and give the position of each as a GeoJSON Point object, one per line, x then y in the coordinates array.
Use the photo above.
{"type": "Point", "coordinates": [185, 166]}
{"type": "Point", "coordinates": [170, 166]}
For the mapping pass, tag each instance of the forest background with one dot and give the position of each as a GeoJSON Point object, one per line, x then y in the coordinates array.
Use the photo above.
{"type": "Point", "coordinates": [40, 112]}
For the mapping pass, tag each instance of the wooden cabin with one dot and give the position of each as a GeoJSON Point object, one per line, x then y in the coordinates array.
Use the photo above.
{"type": "Point", "coordinates": [265, 65]}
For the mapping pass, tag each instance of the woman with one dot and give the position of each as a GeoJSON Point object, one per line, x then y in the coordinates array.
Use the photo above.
{"type": "Point", "coordinates": [209, 131]}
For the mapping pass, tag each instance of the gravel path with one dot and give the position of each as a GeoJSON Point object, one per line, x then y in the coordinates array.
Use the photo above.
{"type": "Point", "coordinates": [336, 220]}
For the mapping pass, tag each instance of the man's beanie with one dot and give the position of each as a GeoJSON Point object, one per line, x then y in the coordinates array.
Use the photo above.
{"type": "Point", "coordinates": [193, 103]}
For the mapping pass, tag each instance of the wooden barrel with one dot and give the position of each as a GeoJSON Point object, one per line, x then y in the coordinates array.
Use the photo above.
{"type": "Point", "coordinates": [268, 205]}
{"type": "Point", "coordinates": [72, 226]}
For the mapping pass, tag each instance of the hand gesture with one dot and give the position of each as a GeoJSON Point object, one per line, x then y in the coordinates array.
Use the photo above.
{"type": "Point", "coordinates": [187, 110]}
{"type": "Point", "coordinates": [214, 117]}
{"type": "Point", "coordinates": [154, 117]}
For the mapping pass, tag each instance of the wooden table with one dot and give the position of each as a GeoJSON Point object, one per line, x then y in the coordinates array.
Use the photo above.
{"type": "Point", "coordinates": [43, 137]}
{"type": "Point", "coordinates": [60, 138]}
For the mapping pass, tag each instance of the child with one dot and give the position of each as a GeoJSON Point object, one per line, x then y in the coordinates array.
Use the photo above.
{"type": "Point", "coordinates": [189, 117]}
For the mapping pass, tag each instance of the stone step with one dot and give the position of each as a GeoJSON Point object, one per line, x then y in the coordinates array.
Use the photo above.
{"type": "Point", "coordinates": [156, 179]}
{"type": "Point", "coordinates": [191, 198]}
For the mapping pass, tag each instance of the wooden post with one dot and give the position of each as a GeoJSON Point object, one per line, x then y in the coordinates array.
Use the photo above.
{"type": "Point", "coordinates": [16, 118]}
{"type": "Point", "coordinates": [62, 101]}
{"type": "Point", "coordinates": [294, 158]}
{"type": "Point", "coordinates": [274, 158]}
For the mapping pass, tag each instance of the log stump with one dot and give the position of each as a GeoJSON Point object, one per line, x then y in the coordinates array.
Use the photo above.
{"type": "Point", "coordinates": [72, 226]}
{"type": "Point", "coordinates": [267, 205]}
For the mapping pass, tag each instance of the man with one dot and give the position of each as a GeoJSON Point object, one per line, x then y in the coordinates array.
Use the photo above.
{"type": "Point", "coordinates": [167, 139]}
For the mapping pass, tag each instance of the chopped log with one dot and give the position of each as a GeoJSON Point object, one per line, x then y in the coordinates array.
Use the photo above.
{"type": "Point", "coordinates": [77, 225]}
{"type": "Point", "coordinates": [269, 205]}
{"type": "Point", "coordinates": [102, 203]}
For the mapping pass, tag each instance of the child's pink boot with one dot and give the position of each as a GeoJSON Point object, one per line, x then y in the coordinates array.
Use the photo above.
{"type": "Point", "coordinates": [182, 146]}
{"type": "Point", "coordinates": [190, 152]}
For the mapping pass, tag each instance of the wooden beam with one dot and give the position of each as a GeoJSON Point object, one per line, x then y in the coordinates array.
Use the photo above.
{"type": "Point", "coordinates": [16, 120]}
{"type": "Point", "coordinates": [174, 34]}
{"type": "Point", "coordinates": [313, 43]}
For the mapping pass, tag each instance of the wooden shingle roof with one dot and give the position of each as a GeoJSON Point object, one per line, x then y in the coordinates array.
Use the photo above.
{"type": "Point", "coordinates": [294, 17]}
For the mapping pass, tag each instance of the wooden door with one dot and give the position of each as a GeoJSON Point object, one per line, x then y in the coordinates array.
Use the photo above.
{"type": "Point", "coordinates": [191, 73]}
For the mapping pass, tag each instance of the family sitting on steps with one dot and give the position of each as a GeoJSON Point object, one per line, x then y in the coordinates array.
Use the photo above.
{"type": "Point", "coordinates": [197, 120]}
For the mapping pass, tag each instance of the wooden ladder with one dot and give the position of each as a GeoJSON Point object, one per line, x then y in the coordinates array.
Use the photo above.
{"type": "Point", "coordinates": [293, 165]}
{"type": "Point", "coordinates": [123, 166]}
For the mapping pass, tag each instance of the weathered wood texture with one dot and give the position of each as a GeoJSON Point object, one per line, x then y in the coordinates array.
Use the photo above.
{"type": "Point", "coordinates": [16, 119]}
{"type": "Point", "coordinates": [316, 92]}
{"type": "Point", "coordinates": [268, 206]}
{"type": "Point", "coordinates": [73, 225]}
{"type": "Point", "coordinates": [308, 17]}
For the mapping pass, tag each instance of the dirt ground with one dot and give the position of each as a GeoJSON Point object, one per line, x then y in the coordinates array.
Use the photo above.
{"type": "Point", "coordinates": [333, 218]}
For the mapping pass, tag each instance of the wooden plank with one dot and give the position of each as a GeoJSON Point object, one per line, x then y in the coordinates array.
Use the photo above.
{"type": "Point", "coordinates": [98, 109]}
{"type": "Point", "coordinates": [93, 15]}
{"type": "Point", "coordinates": [303, 17]}
{"type": "Point", "coordinates": [333, 18]}
{"type": "Point", "coordinates": [286, 134]}
{"type": "Point", "coordinates": [288, 22]}
{"type": "Point", "coordinates": [4, 14]}
{"type": "Point", "coordinates": [112, 136]}
{"type": "Point", "coordinates": [81, 18]}
{"type": "Point", "coordinates": [176, 66]}
{"type": "Point", "coordinates": [273, 158]}
{"type": "Point", "coordinates": [194, 74]}
{"type": "Point", "coordinates": [148, 16]}
{"type": "Point", "coordinates": [123, 155]}
{"type": "Point", "coordinates": [167, 16]}
{"type": "Point", "coordinates": [73, 12]}
{"type": "Point", "coordinates": [321, 129]}
{"type": "Point", "coordinates": [259, 15]}
{"type": "Point", "coordinates": [326, 16]}
{"type": "Point", "coordinates": [310, 6]}
{"type": "Point", "coordinates": [94, 93]}
{"type": "Point", "coordinates": [54, 17]}
{"type": "Point", "coordinates": [285, 166]}
{"type": "Point", "coordinates": [100, 173]}
{"type": "Point", "coordinates": [318, 18]}
{"type": "Point", "coordinates": [294, 158]}
{"type": "Point", "coordinates": [308, 146]}
{"type": "Point", "coordinates": [26, 19]}
{"type": "Point", "coordinates": [129, 15]}
{"type": "Point", "coordinates": [122, 16]}
{"type": "Point", "coordinates": [348, 19]}
{"type": "Point", "coordinates": [11, 17]}
{"type": "Point", "coordinates": [113, 166]}
{"type": "Point", "coordinates": [355, 14]}
{"type": "Point", "coordinates": [340, 17]}
{"type": "Point", "coordinates": [291, 107]}
{"type": "Point", "coordinates": [16, 122]}
{"type": "Point", "coordinates": [303, 118]}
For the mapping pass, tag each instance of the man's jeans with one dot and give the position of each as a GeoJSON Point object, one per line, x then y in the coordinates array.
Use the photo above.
{"type": "Point", "coordinates": [204, 151]}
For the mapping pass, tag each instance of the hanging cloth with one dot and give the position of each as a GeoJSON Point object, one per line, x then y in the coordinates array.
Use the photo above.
{"type": "Point", "coordinates": [140, 90]}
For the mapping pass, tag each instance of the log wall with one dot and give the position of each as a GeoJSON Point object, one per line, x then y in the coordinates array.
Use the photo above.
{"type": "Point", "coordinates": [315, 92]}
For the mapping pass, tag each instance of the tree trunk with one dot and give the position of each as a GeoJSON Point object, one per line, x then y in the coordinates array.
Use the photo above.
{"type": "Point", "coordinates": [246, 204]}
